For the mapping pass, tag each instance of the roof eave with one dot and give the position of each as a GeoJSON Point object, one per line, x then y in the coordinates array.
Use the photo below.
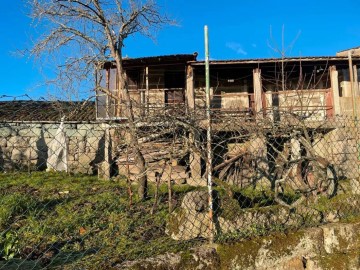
{"type": "Point", "coordinates": [273, 60]}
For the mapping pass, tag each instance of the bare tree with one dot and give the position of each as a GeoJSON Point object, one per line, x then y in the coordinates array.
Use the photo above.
{"type": "Point", "coordinates": [83, 32]}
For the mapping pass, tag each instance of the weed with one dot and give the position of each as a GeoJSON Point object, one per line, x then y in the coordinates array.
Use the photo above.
{"type": "Point", "coordinates": [9, 246]}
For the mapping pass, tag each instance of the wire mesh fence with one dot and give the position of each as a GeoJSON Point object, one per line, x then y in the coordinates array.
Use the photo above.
{"type": "Point", "coordinates": [82, 193]}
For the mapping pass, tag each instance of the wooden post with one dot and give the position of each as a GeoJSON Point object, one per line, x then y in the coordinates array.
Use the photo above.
{"type": "Point", "coordinates": [195, 163]}
{"type": "Point", "coordinates": [257, 92]}
{"type": "Point", "coordinates": [269, 104]}
{"type": "Point", "coordinates": [194, 157]}
{"type": "Point", "coordinates": [104, 169]}
{"type": "Point", "coordinates": [108, 98]}
{"type": "Point", "coordinates": [335, 89]}
{"type": "Point", "coordinates": [190, 95]}
{"type": "Point", "coordinates": [351, 72]}
{"type": "Point", "coordinates": [142, 96]}
{"type": "Point", "coordinates": [147, 88]}
{"type": "Point", "coordinates": [356, 81]}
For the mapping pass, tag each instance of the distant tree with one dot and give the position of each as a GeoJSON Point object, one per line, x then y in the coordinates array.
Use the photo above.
{"type": "Point", "coordinates": [83, 32]}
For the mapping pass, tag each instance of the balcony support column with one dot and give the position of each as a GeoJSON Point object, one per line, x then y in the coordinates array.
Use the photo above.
{"type": "Point", "coordinates": [335, 90]}
{"type": "Point", "coordinates": [356, 81]}
{"type": "Point", "coordinates": [190, 95]}
{"type": "Point", "coordinates": [258, 93]}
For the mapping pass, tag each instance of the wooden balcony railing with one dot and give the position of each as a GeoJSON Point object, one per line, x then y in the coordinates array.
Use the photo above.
{"type": "Point", "coordinates": [312, 103]}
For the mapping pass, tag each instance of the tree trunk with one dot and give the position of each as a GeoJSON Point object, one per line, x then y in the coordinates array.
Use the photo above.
{"type": "Point", "coordinates": [129, 113]}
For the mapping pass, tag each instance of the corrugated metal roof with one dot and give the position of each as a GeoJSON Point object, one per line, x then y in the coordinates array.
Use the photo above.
{"type": "Point", "coordinates": [37, 111]}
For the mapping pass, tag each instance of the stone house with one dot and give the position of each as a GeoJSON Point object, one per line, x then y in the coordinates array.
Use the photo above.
{"type": "Point", "coordinates": [244, 91]}
{"type": "Point", "coordinates": [315, 88]}
{"type": "Point", "coordinates": [245, 87]}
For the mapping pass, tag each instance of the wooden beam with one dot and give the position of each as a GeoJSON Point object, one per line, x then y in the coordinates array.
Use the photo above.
{"type": "Point", "coordinates": [105, 166]}
{"type": "Point", "coordinates": [190, 95]}
{"type": "Point", "coordinates": [335, 89]}
{"type": "Point", "coordinates": [195, 163]}
{"type": "Point", "coordinates": [351, 73]}
{"type": "Point", "coordinates": [258, 92]}
{"type": "Point", "coordinates": [269, 104]}
{"type": "Point", "coordinates": [356, 81]}
{"type": "Point", "coordinates": [147, 88]}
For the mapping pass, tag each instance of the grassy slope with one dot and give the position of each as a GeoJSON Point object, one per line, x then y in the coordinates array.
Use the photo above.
{"type": "Point", "coordinates": [78, 221]}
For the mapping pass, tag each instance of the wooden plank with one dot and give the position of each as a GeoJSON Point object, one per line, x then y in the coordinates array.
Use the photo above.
{"type": "Point", "coordinates": [335, 89]}
{"type": "Point", "coordinates": [147, 89]}
{"type": "Point", "coordinates": [356, 81]}
{"type": "Point", "coordinates": [257, 92]}
{"type": "Point", "coordinates": [194, 160]}
{"type": "Point", "coordinates": [268, 106]}
{"type": "Point", "coordinates": [329, 105]}
{"type": "Point", "coordinates": [190, 96]}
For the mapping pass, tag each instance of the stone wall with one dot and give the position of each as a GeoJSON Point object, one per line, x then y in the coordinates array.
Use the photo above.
{"type": "Point", "coordinates": [25, 146]}
{"type": "Point", "coordinates": [341, 147]}
{"type": "Point", "coordinates": [333, 246]}
{"type": "Point", "coordinates": [328, 247]}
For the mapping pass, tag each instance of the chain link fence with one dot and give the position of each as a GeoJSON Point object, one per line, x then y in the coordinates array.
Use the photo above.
{"type": "Point", "coordinates": [82, 193]}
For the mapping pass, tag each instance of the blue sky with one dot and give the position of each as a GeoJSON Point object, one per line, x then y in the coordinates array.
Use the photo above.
{"type": "Point", "coordinates": [238, 29]}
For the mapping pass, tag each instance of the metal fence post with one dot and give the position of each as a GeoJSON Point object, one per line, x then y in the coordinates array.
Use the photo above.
{"type": "Point", "coordinates": [208, 146]}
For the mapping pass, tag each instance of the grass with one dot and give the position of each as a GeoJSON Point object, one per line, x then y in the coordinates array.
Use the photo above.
{"type": "Point", "coordinates": [55, 220]}
{"type": "Point", "coordinates": [60, 221]}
